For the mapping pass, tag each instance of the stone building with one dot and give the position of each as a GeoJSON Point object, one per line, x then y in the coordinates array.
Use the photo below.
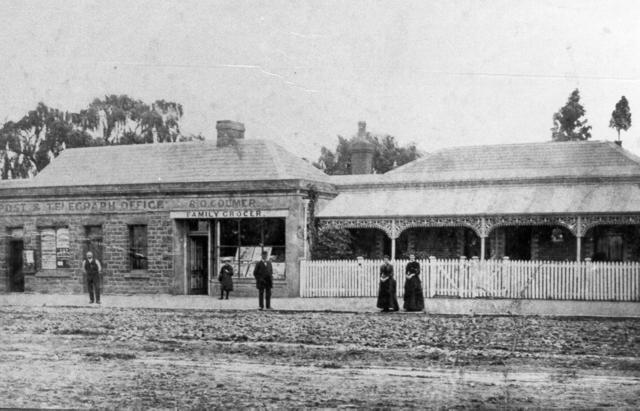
{"type": "Point", "coordinates": [161, 217]}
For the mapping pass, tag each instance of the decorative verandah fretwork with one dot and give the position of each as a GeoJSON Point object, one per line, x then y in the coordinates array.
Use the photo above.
{"type": "Point", "coordinates": [482, 226]}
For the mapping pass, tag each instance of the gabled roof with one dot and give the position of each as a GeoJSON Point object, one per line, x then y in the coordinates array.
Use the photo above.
{"type": "Point", "coordinates": [247, 160]}
{"type": "Point", "coordinates": [521, 161]}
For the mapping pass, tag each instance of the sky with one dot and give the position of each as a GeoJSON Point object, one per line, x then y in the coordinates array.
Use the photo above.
{"type": "Point", "coordinates": [434, 73]}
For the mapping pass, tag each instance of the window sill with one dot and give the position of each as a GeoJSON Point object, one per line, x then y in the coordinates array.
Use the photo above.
{"type": "Point", "coordinates": [60, 273]}
{"type": "Point", "coordinates": [138, 274]}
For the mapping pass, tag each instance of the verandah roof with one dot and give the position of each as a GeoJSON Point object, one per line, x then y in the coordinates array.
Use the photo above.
{"type": "Point", "coordinates": [486, 200]}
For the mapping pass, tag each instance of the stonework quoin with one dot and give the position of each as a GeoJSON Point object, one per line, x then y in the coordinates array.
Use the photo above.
{"type": "Point", "coordinates": [228, 132]}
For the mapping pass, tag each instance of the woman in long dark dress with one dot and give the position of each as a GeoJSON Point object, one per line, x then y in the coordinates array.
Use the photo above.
{"type": "Point", "coordinates": [413, 296]}
{"type": "Point", "coordinates": [226, 282]}
{"type": "Point", "coordinates": [387, 291]}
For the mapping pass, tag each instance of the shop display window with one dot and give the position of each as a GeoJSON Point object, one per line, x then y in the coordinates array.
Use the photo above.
{"type": "Point", "coordinates": [244, 240]}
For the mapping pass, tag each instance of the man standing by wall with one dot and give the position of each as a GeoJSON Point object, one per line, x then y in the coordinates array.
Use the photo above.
{"type": "Point", "coordinates": [92, 269]}
{"type": "Point", "coordinates": [264, 280]}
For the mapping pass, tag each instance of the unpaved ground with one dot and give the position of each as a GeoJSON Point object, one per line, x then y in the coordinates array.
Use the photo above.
{"type": "Point", "coordinates": [101, 357]}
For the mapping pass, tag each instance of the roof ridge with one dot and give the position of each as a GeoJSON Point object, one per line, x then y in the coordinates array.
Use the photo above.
{"type": "Point", "coordinates": [533, 143]}
{"type": "Point", "coordinates": [489, 146]}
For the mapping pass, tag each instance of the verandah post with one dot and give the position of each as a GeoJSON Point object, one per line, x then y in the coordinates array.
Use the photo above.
{"type": "Point", "coordinates": [393, 249]}
{"type": "Point", "coordinates": [578, 248]}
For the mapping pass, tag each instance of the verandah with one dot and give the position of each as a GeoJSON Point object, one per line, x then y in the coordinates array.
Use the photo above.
{"type": "Point", "coordinates": [569, 280]}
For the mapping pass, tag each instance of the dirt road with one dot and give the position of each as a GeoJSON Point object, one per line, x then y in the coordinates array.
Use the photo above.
{"type": "Point", "coordinates": [86, 357]}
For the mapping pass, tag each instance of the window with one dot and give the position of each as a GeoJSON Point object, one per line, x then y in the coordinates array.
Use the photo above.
{"type": "Point", "coordinates": [138, 247]}
{"type": "Point", "coordinates": [54, 248]}
{"type": "Point", "coordinates": [610, 247]}
{"type": "Point", "coordinates": [93, 242]}
{"type": "Point", "coordinates": [244, 240]}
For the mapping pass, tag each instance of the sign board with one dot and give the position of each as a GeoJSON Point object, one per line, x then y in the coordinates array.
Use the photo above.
{"type": "Point", "coordinates": [218, 213]}
{"type": "Point", "coordinates": [48, 248]}
{"type": "Point", "coordinates": [143, 205]}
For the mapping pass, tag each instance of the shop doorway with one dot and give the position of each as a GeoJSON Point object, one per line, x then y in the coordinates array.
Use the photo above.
{"type": "Point", "coordinates": [16, 275]}
{"type": "Point", "coordinates": [198, 269]}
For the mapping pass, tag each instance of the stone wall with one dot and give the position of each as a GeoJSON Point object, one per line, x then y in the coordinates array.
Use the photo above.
{"type": "Point", "coordinates": [165, 239]}
{"type": "Point", "coordinates": [117, 275]}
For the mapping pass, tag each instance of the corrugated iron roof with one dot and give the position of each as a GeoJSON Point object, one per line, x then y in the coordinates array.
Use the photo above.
{"type": "Point", "coordinates": [486, 200]}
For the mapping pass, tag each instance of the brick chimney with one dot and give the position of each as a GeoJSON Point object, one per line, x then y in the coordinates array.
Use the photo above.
{"type": "Point", "coordinates": [362, 152]}
{"type": "Point", "coordinates": [228, 132]}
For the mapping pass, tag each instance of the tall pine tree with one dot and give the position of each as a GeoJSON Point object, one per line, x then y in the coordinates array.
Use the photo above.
{"type": "Point", "coordinates": [621, 116]}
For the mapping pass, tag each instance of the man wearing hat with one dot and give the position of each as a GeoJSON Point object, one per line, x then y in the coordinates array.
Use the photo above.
{"type": "Point", "coordinates": [264, 280]}
{"type": "Point", "coordinates": [226, 282]}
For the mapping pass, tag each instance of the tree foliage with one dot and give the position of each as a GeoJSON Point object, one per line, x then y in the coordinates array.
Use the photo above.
{"type": "Point", "coordinates": [333, 244]}
{"type": "Point", "coordinates": [29, 144]}
{"type": "Point", "coordinates": [387, 155]}
{"type": "Point", "coordinates": [123, 120]}
{"type": "Point", "coordinates": [621, 116]}
{"type": "Point", "coordinates": [569, 123]}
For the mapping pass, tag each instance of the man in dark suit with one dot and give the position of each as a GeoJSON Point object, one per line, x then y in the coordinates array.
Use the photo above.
{"type": "Point", "coordinates": [92, 269]}
{"type": "Point", "coordinates": [264, 280]}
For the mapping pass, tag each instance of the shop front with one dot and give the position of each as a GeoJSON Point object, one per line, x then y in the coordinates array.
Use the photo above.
{"type": "Point", "coordinates": [164, 244]}
{"type": "Point", "coordinates": [238, 236]}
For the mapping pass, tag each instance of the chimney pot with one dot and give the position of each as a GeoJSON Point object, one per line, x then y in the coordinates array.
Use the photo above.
{"type": "Point", "coordinates": [362, 152]}
{"type": "Point", "coordinates": [362, 129]}
{"type": "Point", "coordinates": [228, 132]}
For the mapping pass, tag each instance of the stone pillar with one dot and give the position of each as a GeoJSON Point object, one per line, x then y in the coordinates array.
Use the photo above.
{"type": "Point", "coordinates": [305, 231]}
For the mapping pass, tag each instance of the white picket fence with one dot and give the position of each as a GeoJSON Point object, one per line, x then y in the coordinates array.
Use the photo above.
{"type": "Point", "coordinates": [479, 279]}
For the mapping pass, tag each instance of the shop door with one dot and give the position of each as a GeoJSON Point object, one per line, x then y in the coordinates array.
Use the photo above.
{"type": "Point", "coordinates": [16, 276]}
{"type": "Point", "coordinates": [198, 264]}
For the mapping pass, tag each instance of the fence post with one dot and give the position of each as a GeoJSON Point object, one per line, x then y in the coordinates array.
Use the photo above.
{"type": "Point", "coordinates": [461, 276]}
{"type": "Point", "coordinates": [433, 269]}
{"type": "Point", "coordinates": [303, 278]}
{"type": "Point", "coordinates": [588, 271]}
{"type": "Point", "coordinates": [506, 267]}
{"type": "Point", "coordinates": [474, 271]}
